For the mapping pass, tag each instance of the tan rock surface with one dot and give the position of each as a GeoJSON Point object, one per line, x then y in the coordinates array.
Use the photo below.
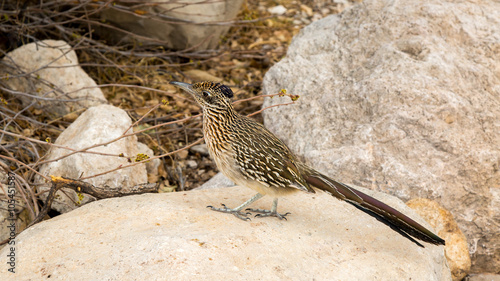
{"type": "Point", "coordinates": [174, 236]}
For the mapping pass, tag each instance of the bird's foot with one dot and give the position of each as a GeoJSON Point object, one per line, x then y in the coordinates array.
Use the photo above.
{"type": "Point", "coordinates": [268, 213]}
{"type": "Point", "coordinates": [237, 213]}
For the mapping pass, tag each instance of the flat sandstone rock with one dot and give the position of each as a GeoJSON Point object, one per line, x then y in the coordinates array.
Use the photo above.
{"type": "Point", "coordinates": [174, 236]}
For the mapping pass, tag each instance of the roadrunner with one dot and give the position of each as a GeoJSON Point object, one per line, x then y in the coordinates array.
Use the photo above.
{"type": "Point", "coordinates": [250, 155]}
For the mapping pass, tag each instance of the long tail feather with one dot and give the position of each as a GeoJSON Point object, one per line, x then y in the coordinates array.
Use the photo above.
{"type": "Point", "coordinates": [370, 205]}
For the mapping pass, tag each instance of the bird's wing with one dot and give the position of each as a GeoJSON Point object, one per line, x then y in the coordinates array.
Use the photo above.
{"type": "Point", "coordinates": [274, 167]}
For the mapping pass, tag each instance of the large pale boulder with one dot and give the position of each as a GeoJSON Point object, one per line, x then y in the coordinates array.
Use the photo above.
{"type": "Point", "coordinates": [403, 97]}
{"type": "Point", "coordinates": [173, 236]}
{"type": "Point", "coordinates": [97, 125]}
{"type": "Point", "coordinates": [46, 75]}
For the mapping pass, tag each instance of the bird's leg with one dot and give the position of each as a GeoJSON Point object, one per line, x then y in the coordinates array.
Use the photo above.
{"type": "Point", "coordinates": [269, 213]}
{"type": "Point", "coordinates": [237, 211]}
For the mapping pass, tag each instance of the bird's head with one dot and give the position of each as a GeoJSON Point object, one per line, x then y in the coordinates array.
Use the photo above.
{"type": "Point", "coordinates": [209, 95]}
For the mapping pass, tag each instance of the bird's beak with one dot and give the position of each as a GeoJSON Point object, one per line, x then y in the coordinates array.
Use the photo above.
{"type": "Point", "coordinates": [185, 86]}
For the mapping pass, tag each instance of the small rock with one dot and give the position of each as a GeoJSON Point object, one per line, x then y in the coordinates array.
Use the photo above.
{"type": "Point", "coordinates": [316, 17]}
{"type": "Point", "coordinates": [183, 154]}
{"type": "Point", "coordinates": [446, 227]}
{"type": "Point", "coordinates": [307, 10]}
{"type": "Point", "coordinates": [217, 181]}
{"type": "Point", "coordinates": [201, 149]}
{"type": "Point", "coordinates": [277, 10]}
{"type": "Point", "coordinates": [191, 164]}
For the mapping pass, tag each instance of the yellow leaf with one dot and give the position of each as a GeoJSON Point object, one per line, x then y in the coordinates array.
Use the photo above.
{"type": "Point", "coordinates": [140, 12]}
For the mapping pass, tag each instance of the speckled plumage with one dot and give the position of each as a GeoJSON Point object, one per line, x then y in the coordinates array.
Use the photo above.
{"type": "Point", "coordinates": [244, 150]}
{"type": "Point", "coordinates": [250, 155]}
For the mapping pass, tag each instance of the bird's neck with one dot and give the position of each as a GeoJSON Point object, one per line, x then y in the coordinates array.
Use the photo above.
{"type": "Point", "coordinates": [217, 126]}
{"type": "Point", "coordinates": [219, 116]}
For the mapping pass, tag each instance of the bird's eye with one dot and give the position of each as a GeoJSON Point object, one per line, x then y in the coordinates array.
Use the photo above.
{"type": "Point", "coordinates": [206, 94]}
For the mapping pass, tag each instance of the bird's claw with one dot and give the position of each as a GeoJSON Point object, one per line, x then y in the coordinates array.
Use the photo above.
{"type": "Point", "coordinates": [268, 213]}
{"type": "Point", "coordinates": [236, 213]}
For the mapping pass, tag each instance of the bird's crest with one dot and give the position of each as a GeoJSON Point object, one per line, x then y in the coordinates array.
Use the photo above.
{"type": "Point", "coordinates": [215, 87]}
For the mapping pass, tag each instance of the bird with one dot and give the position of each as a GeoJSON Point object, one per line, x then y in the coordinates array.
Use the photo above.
{"type": "Point", "coordinates": [250, 155]}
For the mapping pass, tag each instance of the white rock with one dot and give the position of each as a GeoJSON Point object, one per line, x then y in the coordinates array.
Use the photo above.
{"type": "Point", "coordinates": [277, 10]}
{"type": "Point", "coordinates": [98, 124]}
{"type": "Point", "coordinates": [174, 236]}
{"type": "Point", "coordinates": [325, 11]}
{"type": "Point", "coordinates": [191, 164]}
{"type": "Point", "coordinates": [402, 96]}
{"type": "Point", "coordinates": [55, 77]}
{"type": "Point", "coordinates": [200, 148]}
{"type": "Point", "coordinates": [217, 181]}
